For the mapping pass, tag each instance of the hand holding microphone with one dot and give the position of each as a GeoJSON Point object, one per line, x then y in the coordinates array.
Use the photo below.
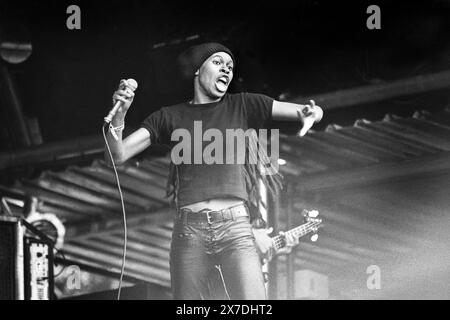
{"type": "Point", "coordinates": [122, 98]}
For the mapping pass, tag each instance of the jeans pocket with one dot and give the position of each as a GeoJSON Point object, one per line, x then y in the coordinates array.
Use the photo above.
{"type": "Point", "coordinates": [240, 228]}
{"type": "Point", "coordinates": [182, 233]}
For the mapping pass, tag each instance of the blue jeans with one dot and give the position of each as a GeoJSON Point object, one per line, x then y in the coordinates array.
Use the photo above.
{"type": "Point", "coordinates": [215, 261]}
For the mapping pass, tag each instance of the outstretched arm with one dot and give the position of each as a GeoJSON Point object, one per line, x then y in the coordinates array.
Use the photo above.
{"type": "Point", "coordinates": [308, 114]}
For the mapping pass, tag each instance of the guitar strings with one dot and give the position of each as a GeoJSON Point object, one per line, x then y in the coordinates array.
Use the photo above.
{"type": "Point", "coordinates": [298, 231]}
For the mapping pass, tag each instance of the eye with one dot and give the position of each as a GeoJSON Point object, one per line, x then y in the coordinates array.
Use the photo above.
{"type": "Point", "coordinates": [216, 62]}
{"type": "Point", "coordinates": [231, 68]}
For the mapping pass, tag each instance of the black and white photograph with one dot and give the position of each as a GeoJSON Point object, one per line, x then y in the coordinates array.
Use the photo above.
{"type": "Point", "coordinates": [217, 150]}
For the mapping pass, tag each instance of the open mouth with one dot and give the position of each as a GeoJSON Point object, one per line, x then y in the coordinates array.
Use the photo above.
{"type": "Point", "coordinates": [224, 80]}
{"type": "Point", "coordinates": [222, 83]}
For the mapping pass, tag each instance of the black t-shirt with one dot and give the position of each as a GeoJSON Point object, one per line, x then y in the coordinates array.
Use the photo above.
{"type": "Point", "coordinates": [211, 175]}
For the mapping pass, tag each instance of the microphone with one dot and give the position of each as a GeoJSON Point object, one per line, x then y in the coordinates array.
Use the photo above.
{"type": "Point", "coordinates": [129, 84]}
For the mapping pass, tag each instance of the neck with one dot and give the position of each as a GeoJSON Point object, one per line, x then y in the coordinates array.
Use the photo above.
{"type": "Point", "coordinates": [203, 99]}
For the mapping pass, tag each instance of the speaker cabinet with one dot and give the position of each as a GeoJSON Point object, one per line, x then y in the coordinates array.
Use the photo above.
{"type": "Point", "coordinates": [26, 262]}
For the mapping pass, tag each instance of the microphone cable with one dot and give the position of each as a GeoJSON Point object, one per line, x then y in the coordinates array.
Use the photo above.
{"type": "Point", "coordinates": [124, 251]}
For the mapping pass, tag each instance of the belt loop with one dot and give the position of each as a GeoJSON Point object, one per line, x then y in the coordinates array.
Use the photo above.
{"type": "Point", "coordinates": [180, 216]}
{"type": "Point", "coordinates": [183, 217]}
{"type": "Point", "coordinates": [231, 213]}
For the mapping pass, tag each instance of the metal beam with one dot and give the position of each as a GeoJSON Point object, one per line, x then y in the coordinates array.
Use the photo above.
{"type": "Point", "coordinates": [374, 174]}
{"type": "Point", "coordinates": [151, 240]}
{"type": "Point", "coordinates": [98, 170]}
{"type": "Point", "coordinates": [97, 228]}
{"type": "Point", "coordinates": [379, 92]}
{"type": "Point", "coordinates": [116, 249]}
{"type": "Point", "coordinates": [54, 151]}
{"type": "Point", "coordinates": [134, 245]}
{"type": "Point", "coordinates": [113, 263]}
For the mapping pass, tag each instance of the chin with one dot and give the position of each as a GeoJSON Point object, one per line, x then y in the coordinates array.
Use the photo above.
{"type": "Point", "coordinates": [218, 94]}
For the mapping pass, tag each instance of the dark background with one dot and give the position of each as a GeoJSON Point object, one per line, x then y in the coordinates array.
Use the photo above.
{"type": "Point", "coordinates": [294, 48]}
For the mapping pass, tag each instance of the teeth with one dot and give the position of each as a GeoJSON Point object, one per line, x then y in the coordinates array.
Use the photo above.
{"type": "Point", "coordinates": [225, 80]}
{"type": "Point", "coordinates": [221, 86]}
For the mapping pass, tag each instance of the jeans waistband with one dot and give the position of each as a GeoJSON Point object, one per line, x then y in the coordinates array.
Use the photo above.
{"type": "Point", "coordinates": [211, 216]}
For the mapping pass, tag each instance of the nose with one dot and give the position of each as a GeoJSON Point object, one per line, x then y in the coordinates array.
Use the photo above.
{"type": "Point", "coordinates": [225, 69]}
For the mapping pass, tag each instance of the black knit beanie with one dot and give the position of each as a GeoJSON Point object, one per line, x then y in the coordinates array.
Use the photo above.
{"type": "Point", "coordinates": [192, 59]}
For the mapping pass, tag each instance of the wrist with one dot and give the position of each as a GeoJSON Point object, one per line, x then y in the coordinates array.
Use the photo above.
{"type": "Point", "coordinates": [259, 223]}
{"type": "Point", "coordinates": [118, 120]}
{"type": "Point", "coordinates": [116, 131]}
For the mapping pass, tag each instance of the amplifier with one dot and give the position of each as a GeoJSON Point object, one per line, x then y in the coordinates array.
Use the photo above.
{"type": "Point", "coordinates": [26, 262]}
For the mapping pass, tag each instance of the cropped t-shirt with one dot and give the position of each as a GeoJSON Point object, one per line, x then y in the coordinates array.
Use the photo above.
{"type": "Point", "coordinates": [204, 174]}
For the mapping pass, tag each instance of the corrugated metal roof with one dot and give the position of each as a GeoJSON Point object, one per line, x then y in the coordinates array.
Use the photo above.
{"type": "Point", "coordinates": [371, 222]}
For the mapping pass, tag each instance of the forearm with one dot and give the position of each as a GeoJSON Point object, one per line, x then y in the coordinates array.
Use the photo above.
{"type": "Point", "coordinates": [308, 115]}
{"type": "Point", "coordinates": [287, 111]}
{"type": "Point", "coordinates": [116, 145]}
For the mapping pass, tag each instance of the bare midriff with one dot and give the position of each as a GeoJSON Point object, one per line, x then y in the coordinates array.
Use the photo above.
{"type": "Point", "coordinates": [214, 204]}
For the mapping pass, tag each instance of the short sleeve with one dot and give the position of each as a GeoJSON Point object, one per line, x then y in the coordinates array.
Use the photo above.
{"type": "Point", "coordinates": [156, 125]}
{"type": "Point", "coordinates": [258, 109]}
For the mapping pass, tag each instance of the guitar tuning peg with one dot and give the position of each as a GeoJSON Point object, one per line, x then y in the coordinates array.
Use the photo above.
{"type": "Point", "coordinates": [314, 237]}
{"type": "Point", "coordinates": [313, 213]}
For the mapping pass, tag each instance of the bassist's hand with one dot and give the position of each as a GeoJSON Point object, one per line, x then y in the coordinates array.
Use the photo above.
{"type": "Point", "coordinates": [264, 244]}
{"type": "Point", "coordinates": [290, 240]}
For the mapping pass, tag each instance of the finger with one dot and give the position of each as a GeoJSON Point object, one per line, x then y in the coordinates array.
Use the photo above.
{"type": "Point", "coordinates": [293, 240]}
{"type": "Point", "coordinates": [307, 111]}
{"type": "Point", "coordinates": [127, 93]}
{"type": "Point", "coordinates": [290, 236]}
{"type": "Point", "coordinates": [115, 96]}
{"type": "Point", "coordinates": [122, 99]}
{"type": "Point", "coordinates": [271, 254]}
{"type": "Point", "coordinates": [269, 231]}
{"type": "Point", "coordinates": [319, 113]}
{"type": "Point", "coordinates": [121, 96]}
{"type": "Point", "coordinates": [313, 104]}
{"type": "Point", "coordinates": [307, 124]}
{"type": "Point", "coordinates": [288, 240]}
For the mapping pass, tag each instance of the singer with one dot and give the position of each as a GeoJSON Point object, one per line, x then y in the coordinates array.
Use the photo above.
{"type": "Point", "coordinates": [218, 230]}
